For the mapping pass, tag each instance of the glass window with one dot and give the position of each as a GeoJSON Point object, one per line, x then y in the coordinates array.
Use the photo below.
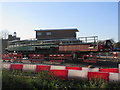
{"type": "Point", "coordinates": [48, 33]}
{"type": "Point", "coordinates": [39, 33]}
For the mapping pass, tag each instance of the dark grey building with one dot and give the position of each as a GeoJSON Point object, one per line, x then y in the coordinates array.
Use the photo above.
{"type": "Point", "coordinates": [42, 34]}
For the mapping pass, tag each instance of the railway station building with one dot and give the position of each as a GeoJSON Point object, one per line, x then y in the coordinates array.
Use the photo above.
{"type": "Point", "coordinates": [44, 34]}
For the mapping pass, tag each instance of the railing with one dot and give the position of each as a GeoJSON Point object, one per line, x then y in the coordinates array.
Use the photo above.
{"type": "Point", "coordinates": [91, 39]}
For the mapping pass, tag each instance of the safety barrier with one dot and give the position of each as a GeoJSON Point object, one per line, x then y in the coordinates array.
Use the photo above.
{"type": "Point", "coordinates": [61, 74]}
{"type": "Point", "coordinates": [102, 75]}
{"type": "Point", "coordinates": [74, 68]}
{"type": "Point", "coordinates": [67, 72]}
{"type": "Point", "coordinates": [12, 57]}
{"type": "Point", "coordinates": [16, 67]}
{"type": "Point", "coordinates": [77, 74]}
{"type": "Point", "coordinates": [29, 67]}
{"type": "Point", "coordinates": [112, 70]}
{"type": "Point", "coordinates": [59, 57]}
{"type": "Point", "coordinates": [42, 68]}
{"type": "Point", "coordinates": [53, 67]}
{"type": "Point", "coordinates": [114, 77]}
{"type": "Point", "coordinates": [36, 56]}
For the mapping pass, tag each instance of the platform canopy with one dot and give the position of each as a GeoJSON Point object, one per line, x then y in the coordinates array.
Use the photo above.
{"type": "Point", "coordinates": [55, 29]}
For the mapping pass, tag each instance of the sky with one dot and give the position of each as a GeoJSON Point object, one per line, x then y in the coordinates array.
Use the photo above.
{"type": "Point", "coordinates": [90, 18]}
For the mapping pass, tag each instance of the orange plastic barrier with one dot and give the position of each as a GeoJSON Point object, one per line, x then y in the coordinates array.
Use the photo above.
{"type": "Point", "coordinates": [113, 70]}
{"type": "Point", "coordinates": [61, 74]}
{"type": "Point", "coordinates": [16, 67]}
{"type": "Point", "coordinates": [74, 68]}
{"type": "Point", "coordinates": [93, 75]}
{"type": "Point", "coordinates": [42, 68]}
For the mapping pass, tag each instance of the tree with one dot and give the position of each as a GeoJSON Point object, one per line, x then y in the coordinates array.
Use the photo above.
{"type": "Point", "coordinates": [117, 45]}
{"type": "Point", "coordinates": [4, 34]}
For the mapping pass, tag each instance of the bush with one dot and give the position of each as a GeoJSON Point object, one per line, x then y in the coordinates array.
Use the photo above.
{"type": "Point", "coordinates": [11, 81]}
{"type": "Point", "coordinates": [44, 80]}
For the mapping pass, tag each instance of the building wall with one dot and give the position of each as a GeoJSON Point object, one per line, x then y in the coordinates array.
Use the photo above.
{"type": "Point", "coordinates": [4, 45]}
{"type": "Point", "coordinates": [56, 34]}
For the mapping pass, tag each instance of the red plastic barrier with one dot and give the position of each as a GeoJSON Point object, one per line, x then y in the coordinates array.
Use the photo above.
{"type": "Point", "coordinates": [6, 57]}
{"type": "Point", "coordinates": [36, 56]}
{"type": "Point", "coordinates": [16, 67]}
{"type": "Point", "coordinates": [10, 55]}
{"type": "Point", "coordinates": [93, 75]}
{"type": "Point", "coordinates": [61, 74]}
{"type": "Point", "coordinates": [74, 68]}
{"type": "Point", "coordinates": [113, 70]}
{"type": "Point", "coordinates": [42, 68]}
{"type": "Point", "coordinates": [17, 56]}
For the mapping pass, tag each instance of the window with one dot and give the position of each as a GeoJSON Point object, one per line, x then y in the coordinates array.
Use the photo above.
{"type": "Point", "coordinates": [48, 33]}
{"type": "Point", "coordinates": [39, 33]}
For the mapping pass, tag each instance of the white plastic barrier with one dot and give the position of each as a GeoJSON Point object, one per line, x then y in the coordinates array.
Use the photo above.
{"type": "Point", "coordinates": [114, 77]}
{"type": "Point", "coordinates": [6, 66]}
{"type": "Point", "coordinates": [77, 74]}
{"type": "Point", "coordinates": [90, 69]}
{"type": "Point", "coordinates": [57, 67]}
{"type": "Point", "coordinates": [28, 67]}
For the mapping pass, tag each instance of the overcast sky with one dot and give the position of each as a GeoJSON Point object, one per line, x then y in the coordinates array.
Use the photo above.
{"type": "Point", "coordinates": [90, 18]}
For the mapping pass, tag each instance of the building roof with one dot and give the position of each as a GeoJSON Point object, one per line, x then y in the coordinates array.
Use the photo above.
{"type": "Point", "coordinates": [55, 29]}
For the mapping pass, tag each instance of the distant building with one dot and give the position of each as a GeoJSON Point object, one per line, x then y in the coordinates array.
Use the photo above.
{"type": "Point", "coordinates": [5, 41]}
{"type": "Point", "coordinates": [13, 37]}
{"type": "Point", "coordinates": [47, 40]}
{"type": "Point", "coordinates": [44, 34]}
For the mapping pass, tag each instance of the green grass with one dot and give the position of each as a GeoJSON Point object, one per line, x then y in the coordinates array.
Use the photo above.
{"type": "Point", "coordinates": [17, 80]}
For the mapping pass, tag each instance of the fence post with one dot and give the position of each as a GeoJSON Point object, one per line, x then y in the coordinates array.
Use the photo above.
{"type": "Point", "coordinates": [119, 68]}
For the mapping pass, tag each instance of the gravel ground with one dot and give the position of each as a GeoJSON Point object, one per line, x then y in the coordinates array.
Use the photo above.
{"type": "Point", "coordinates": [99, 64]}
